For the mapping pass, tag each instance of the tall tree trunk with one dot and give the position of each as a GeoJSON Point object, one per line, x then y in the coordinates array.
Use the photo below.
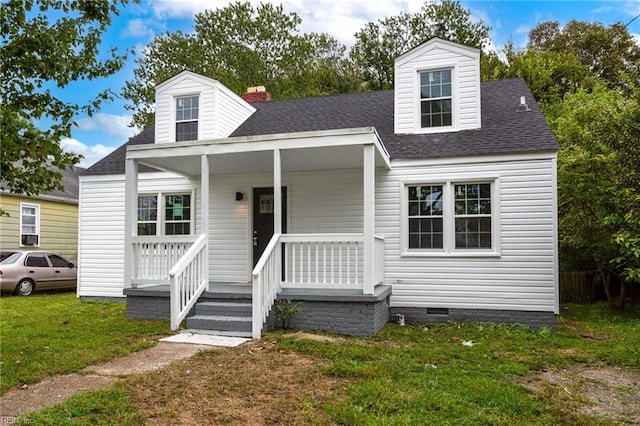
{"type": "Point", "coordinates": [606, 284]}
{"type": "Point", "coordinates": [623, 294]}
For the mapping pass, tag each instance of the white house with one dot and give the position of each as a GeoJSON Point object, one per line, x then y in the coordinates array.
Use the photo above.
{"type": "Point", "coordinates": [436, 200]}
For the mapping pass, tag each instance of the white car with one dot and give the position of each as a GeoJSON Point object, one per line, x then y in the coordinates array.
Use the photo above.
{"type": "Point", "coordinates": [23, 272]}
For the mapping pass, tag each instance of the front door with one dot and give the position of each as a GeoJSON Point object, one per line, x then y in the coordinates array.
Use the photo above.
{"type": "Point", "coordinates": [263, 219]}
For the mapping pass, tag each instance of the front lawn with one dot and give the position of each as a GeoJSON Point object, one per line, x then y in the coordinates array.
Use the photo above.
{"type": "Point", "coordinates": [585, 373]}
{"type": "Point", "coordinates": [55, 333]}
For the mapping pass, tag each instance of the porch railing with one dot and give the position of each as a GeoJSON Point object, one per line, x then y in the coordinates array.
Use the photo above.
{"type": "Point", "coordinates": [189, 278]}
{"type": "Point", "coordinates": [323, 260]}
{"type": "Point", "coordinates": [329, 261]}
{"type": "Point", "coordinates": [154, 256]}
{"type": "Point", "coordinates": [267, 279]}
{"type": "Point", "coordinates": [378, 260]}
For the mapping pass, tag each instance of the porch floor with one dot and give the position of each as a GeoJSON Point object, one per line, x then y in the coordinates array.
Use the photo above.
{"type": "Point", "coordinates": [214, 287]}
{"type": "Point", "coordinates": [245, 290]}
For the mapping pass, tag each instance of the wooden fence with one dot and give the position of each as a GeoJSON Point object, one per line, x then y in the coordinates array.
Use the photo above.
{"type": "Point", "coordinates": [578, 286]}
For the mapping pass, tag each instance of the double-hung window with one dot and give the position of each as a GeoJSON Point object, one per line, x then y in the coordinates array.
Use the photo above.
{"type": "Point", "coordinates": [425, 217]}
{"type": "Point", "coordinates": [435, 99]}
{"type": "Point", "coordinates": [450, 217]}
{"type": "Point", "coordinates": [177, 214]}
{"type": "Point", "coordinates": [29, 225]}
{"type": "Point", "coordinates": [473, 216]}
{"type": "Point", "coordinates": [147, 214]}
{"type": "Point", "coordinates": [187, 118]}
{"type": "Point", "coordinates": [164, 214]}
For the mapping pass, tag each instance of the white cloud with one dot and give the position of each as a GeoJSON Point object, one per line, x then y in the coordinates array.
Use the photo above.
{"type": "Point", "coordinates": [115, 125]}
{"type": "Point", "coordinates": [632, 8]}
{"type": "Point", "coordinates": [340, 18]}
{"type": "Point", "coordinates": [139, 28]}
{"type": "Point", "coordinates": [91, 154]}
{"type": "Point", "coordinates": [184, 8]}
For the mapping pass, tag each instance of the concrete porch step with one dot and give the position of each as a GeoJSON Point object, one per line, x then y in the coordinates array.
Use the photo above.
{"type": "Point", "coordinates": [221, 323]}
{"type": "Point", "coordinates": [217, 332]}
{"type": "Point", "coordinates": [224, 308]}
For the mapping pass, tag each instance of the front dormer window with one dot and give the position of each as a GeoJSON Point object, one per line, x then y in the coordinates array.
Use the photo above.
{"type": "Point", "coordinates": [435, 98]}
{"type": "Point", "coordinates": [187, 118]}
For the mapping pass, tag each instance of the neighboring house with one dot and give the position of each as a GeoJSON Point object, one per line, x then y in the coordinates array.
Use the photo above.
{"type": "Point", "coordinates": [48, 221]}
{"type": "Point", "coordinates": [436, 200]}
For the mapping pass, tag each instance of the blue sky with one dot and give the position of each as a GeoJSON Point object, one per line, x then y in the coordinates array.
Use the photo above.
{"type": "Point", "coordinates": [137, 25]}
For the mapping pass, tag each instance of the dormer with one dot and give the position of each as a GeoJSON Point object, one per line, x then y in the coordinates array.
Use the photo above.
{"type": "Point", "coordinates": [437, 88]}
{"type": "Point", "coordinates": [192, 107]}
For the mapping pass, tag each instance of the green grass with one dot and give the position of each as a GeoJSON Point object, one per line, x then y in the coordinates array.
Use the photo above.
{"type": "Point", "coordinates": [411, 375]}
{"type": "Point", "coordinates": [55, 333]}
{"type": "Point", "coordinates": [98, 407]}
{"type": "Point", "coordinates": [418, 375]}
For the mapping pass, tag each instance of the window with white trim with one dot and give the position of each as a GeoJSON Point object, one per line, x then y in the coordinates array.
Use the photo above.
{"type": "Point", "coordinates": [165, 214]}
{"type": "Point", "coordinates": [147, 214]}
{"type": "Point", "coordinates": [29, 225]}
{"type": "Point", "coordinates": [187, 118]}
{"type": "Point", "coordinates": [425, 217]}
{"type": "Point", "coordinates": [177, 214]}
{"type": "Point", "coordinates": [435, 99]}
{"type": "Point", "coordinates": [473, 216]}
{"type": "Point", "coordinates": [450, 217]}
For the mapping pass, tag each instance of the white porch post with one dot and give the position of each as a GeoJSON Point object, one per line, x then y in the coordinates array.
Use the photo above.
{"type": "Point", "coordinates": [130, 217]}
{"type": "Point", "coordinates": [277, 193]}
{"type": "Point", "coordinates": [204, 210]}
{"type": "Point", "coordinates": [369, 218]}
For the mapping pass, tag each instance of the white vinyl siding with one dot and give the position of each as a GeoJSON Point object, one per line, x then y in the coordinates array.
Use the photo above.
{"type": "Point", "coordinates": [220, 111]}
{"type": "Point", "coordinates": [101, 230]}
{"type": "Point", "coordinates": [521, 276]}
{"type": "Point", "coordinates": [437, 55]}
{"type": "Point", "coordinates": [317, 202]}
{"type": "Point", "coordinates": [232, 111]}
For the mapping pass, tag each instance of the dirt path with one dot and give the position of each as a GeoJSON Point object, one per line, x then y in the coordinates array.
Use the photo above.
{"type": "Point", "coordinates": [54, 390]}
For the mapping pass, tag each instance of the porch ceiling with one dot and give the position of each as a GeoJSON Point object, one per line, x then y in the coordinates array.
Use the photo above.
{"type": "Point", "coordinates": [309, 151]}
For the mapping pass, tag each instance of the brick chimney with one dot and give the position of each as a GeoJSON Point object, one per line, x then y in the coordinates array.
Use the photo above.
{"type": "Point", "coordinates": [256, 94]}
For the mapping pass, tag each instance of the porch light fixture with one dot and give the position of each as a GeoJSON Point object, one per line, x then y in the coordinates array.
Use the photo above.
{"type": "Point", "coordinates": [239, 196]}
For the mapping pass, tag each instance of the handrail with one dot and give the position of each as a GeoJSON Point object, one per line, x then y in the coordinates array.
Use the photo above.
{"type": "Point", "coordinates": [188, 280]}
{"type": "Point", "coordinates": [265, 254]}
{"type": "Point", "coordinates": [267, 283]}
{"type": "Point", "coordinates": [184, 261]}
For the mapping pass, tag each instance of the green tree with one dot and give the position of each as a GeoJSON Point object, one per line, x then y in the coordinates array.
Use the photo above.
{"type": "Point", "coordinates": [599, 184]}
{"type": "Point", "coordinates": [549, 74]}
{"type": "Point", "coordinates": [378, 44]}
{"type": "Point", "coordinates": [241, 46]}
{"type": "Point", "coordinates": [560, 60]}
{"type": "Point", "coordinates": [603, 51]}
{"type": "Point", "coordinates": [47, 43]}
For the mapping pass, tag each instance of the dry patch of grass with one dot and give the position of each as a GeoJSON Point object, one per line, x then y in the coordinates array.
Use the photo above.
{"type": "Point", "coordinates": [250, 385]}
{"type": "Point", "coordinates": [604, 392]}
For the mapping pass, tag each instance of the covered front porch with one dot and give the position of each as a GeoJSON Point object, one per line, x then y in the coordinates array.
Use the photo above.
{"type": "Point", "coordinates": [219, 255]}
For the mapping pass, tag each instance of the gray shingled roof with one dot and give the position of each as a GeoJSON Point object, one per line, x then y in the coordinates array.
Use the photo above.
{"type": "Point", "coordinates": [503, 130]}
{"type": "Point", "coordinates": [70, 184]}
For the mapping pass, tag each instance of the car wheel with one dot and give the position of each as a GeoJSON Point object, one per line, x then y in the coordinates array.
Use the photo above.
{"type": "Point", "coordinates": [25, 287]}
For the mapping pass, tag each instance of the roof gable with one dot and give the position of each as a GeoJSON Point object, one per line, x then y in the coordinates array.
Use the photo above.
{"type": "Point", "coordinates": [187, 75]}
{"type": "Point", "coordinates": [436, 43]}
